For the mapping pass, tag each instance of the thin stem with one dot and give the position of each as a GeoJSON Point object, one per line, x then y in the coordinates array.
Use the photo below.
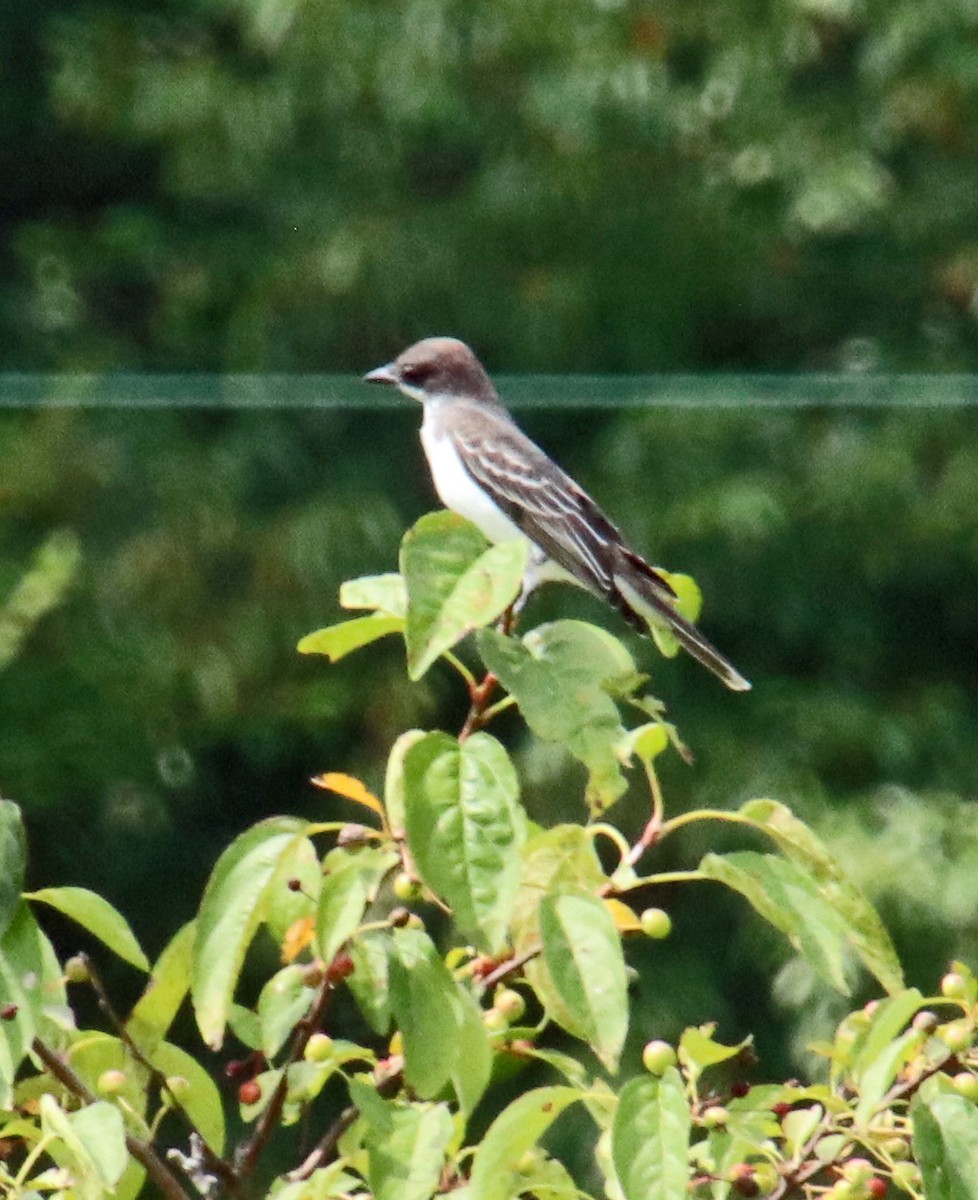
{"type": "Point", "coordinates": [663, 877]}
{"type": "Point", "coordinates": [707, 814]}
{"type": "Point", "coordinates": [480, 705]}
{"type": "Point", "coordinates": [509, 966]}
{"type": "Point", "coordinates": [167, 1183]}
{"type": "Point", "coordinates": [268, 1121]}
{"type": "Point", "coordinates": [653, 830]}
{"type": "Point", "coordinates": [470, 680]}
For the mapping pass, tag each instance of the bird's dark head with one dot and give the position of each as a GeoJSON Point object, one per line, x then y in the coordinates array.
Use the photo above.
{"type": "Point", "coordinates": [434, 369]}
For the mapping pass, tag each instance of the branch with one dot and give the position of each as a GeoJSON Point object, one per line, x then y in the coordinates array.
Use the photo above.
{"type": "Point", "coordinates": [164, 1179]}
{"type": "Point", "coordinates": [478, 710]}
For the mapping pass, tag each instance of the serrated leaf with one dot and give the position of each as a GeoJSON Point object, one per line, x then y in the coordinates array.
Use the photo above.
{"type": "Point", "coordinates": [341, 903]}
{"type": "Point", "coordinates": [561, 676]}
{"type": "Point", "coordinates": [495, 1164]}
{"type": "Point", "coordinates": [455, 584]}
{"type": "Point", "coordinates": [13, 860]}
{"type": "Point", "coordinates": [582, 950]}
{"type": "Point", "coordinates": [168, 984]}
{"type": "Point", "coordinates": [650, 1138]}
{"type": "Point", "coordinates": [790, 901]}
{"type": "Point", "coordinates": [865, 932]}
{"type": "Point", "coordinates": [337, 641]}
{"type": "Point", "coordinates": [98, 916]}
{"type": "Point", "coordinates": [381, 593]}
{"type": "Point", "coordinates": [465, 829]}
{"type": "Point", "coordinates": [236, 900]}
{"type": "Point", "coordinates": [945, 1143]}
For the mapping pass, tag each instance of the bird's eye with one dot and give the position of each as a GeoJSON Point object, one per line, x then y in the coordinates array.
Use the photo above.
{"type": "Point", "coordinates": [413, 372]}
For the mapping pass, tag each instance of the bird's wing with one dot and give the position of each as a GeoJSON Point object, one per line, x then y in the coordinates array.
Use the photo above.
{"type": "Point", "coordinates": [543, 501]}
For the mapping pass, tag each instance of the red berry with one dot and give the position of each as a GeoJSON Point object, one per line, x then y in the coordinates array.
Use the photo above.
{"type": "Point", "coordinates": [876, 1187]}
{"type": "Point", "coordinates": [249, 1092]}
{"type": "Point", "coordinates": [739, 1089]}
{"type": "Point", "coordinates": [294, 885]}
{"type": "Point", "coordinates": [781, 1109]}
{"type": "Point", "coordinates": [8, 1012]}
{"type": "Point", "coordinates": [234, 1067]}
{"type": "Point", "coordinates": [340, 968]}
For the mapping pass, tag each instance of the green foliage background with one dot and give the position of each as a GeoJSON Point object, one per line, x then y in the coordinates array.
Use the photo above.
{"type": "Point", "coordinates": [294, 185]}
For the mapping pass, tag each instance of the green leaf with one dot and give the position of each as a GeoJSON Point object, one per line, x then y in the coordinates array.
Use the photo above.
{"type": "Point", "coordinates": [98, 916]}
{"type": "Point", "coordinates": [790, 901]}
{"type": "Point", "coordinates": [465, 829]}
{"type": "Point", "coordinates": [698, 1050]}
{"type": "Point", "coordinates": [202, 1099]}
{"type": "Point", "coordinates": [290, 904]}
{"type": "Point", "coordinates": [562, 676]}
{"type": "Point", "coordinates": [283, 1001]}
{"type": "Point", "coordinates": [582, 950]}
{"type": "Point", "coordinates": [337, 641]}
{"type": "Point", "coordinates": [30, 978]}
{"type": "Point", "coordinates": [370, 983]}
{"type": "Point", "coordinates": [394, 778]}
{"type": "Point", "coordinates": [381, 593]}
{"type": "Point", "coordinates": [341, 903]}
{"type": "Point", "coordinates": [495, 1164]}
{"type": "Point", "coordinates": [553, 859]}
{"type": "Point", "coordinates": [168, 984]}
{"type": "Point", "coordinates": [13, 860]}
{"type": "Point", "coordinates": [236, 899]}
{"type": "Point", "coordinates": [945, 1143]}
{"type": "Point", "coordinates": [95, 1140]}
{"type": "Point", "coordinates": [454, 583]}
{"type": "Point", "coordinates": [472, 1067]}
{"type": "Point", "coordinates": [650, 1138]}
{"type": "Point", "coordinates": [865, 931]}
{"type": "Point", "coordinates": [879, 1073]}
{"type": "Point", "coordinates": [423, 1001]}
{"type": "Point", "coordinates": [406, 1149]}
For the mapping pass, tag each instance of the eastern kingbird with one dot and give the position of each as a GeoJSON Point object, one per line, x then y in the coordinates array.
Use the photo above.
{"type": "Point", "coordinates": [486, 469]}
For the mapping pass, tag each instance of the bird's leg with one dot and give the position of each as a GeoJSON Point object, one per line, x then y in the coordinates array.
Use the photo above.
{"type": "Point", "coordinates": [507, 622]}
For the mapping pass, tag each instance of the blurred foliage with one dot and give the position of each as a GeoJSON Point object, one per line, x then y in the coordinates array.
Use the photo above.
{"type": "Point", "coordinates": [614, 185]}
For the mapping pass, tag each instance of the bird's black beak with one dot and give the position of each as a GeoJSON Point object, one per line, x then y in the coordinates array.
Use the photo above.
{"type": "Point", "coordinates": [385, 374]}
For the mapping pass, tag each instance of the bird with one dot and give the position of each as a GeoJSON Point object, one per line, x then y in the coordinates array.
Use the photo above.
{"type": "Point", "coordinates": [486, 469]}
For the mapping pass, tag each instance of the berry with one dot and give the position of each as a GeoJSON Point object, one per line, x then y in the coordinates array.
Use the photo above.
{"type": "Point", "coordinates": [657, 1057]}
{"type": "Point", "coordinates": [957, 1035]}
{"type": "Point", "coordinates": [896, 1148]}
{"type": "Point", "coordinates": [766, 1177]}
{"type": "Point", "coordinates": [925, 1021]}
{"type": "Point", "coordinates": [967, 1085]}
{"type": "Point", "coordinates": [405, 888]}
{"type": "Point", "coordinates": [294, 884]}
{"type": "Point", "coordinates": [906, 1175]}
{"type": "Point", "coordinates": [857, 1171]}
{"type": "Point", "coordinates": [954, 986]}
{"type": "Point", "coordinates": [494, 1021]}
{"type": "Point", "coordinates": [656, 923]}
{"type": "Point", "coordinates": [249, 1092]}
{"type": "Point", "coordinates": [739, 1089]}
{"type": "Point", "coordinates": [715, 1116]}
{"type": "Point", "coordinates": [319, 1048]}
{"type": "Point", "coordinates": [76, 969]}
{"type": "Point", "coordinates": [352, 836]}
{"type": "Point", "coordinates": [110, 1083]}
{"type": "Point", "coordinates": [510, 1003]}
{"type": "Point", "coordinates": [742, 1180]}
{"type": "Point", "coordinates": [876, 1187]}
{"type": "Point", "coordinates": [178, 1086]}
{"type": "Point", "coordinates": [340, 968]}
{"type": "Point", "coordinates": [781, 1109]}
{"type": "Point", "coordinates": [399, 916]}
{"type": "Point", "coordinates": [8, 1012]}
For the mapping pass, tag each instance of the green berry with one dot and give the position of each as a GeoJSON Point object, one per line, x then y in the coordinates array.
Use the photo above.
{"type": "Point", "coordinates": [954, 986]}
{"type": "Point", "coordinates": [76, 969]}
{"type": "Point", "coordinates": [656, 923]}
{"type": "Point", "coordinates": [857, 1171]}
{"type": "Point", "coordinates": [957, 1035]}
{"type": "Point", "coordinates": [967, 1084]}
{"type": "Point", "coordinates": [658, 1057]}
{"type": "Point", "coordinates": [494, 1021]}
{"type": "Point", "coordinates": [111, 1083]}
{"type": "Point", "coordinates": [715, 1117]}
{"type": "Point", "coordinates": [319, 1048]}
{"type": "Point", "coordinates": [405, 888]}
{"type": "Point", "coordinates": [510, 1003]}
{"type": "Point", "coordinates": [906, 1175]}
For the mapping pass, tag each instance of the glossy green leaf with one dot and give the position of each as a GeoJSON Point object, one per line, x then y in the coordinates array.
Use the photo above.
{"type": "Point", "coordinates": [381, 593]}
{"type": "Point", "coordinates": [13, 860]}
{"type": "Point", "coordinates": [465, 828]}
{"type": "Point", "coordinates": [341, 903]}
{"type": "Point", "coordinates": [423, 1001]}
{"type": "Point", "coordinates": [698, 1050]}
{"type": "Point", "coordinates": [582, 950]}
{"type": "Point", "coordinates": [168, 984]}
{"type": "Point", "coordinates": [455, 584]}
{"type": "Point", "coordinates": [650, 1138]}
{"type": "Point", "coordinates": [518, 1128]}
{"type": "Point", "coordinates": [865, 931]}
{"type": "Point", "coordinates": [235, 902]}
{"type": "Point", "coordinates": [790, 901]}
{"type": "Point", "coordinates": [394, 778]}
{"type": "Point", "coordinates": [563, 675]}
{"type": "Point", "coordinates": [337, 641]}
{"type": "Point", "coordinates": [945, 1143]}
{"type": "Point", "coordinates": [201, 1099]}
{"type": "Point", "coordinates": [406, 1149]}
{"type": "Point", "coordinates": [98, 916]}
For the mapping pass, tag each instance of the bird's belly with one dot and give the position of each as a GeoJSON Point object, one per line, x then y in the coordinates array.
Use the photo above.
{"type": "Point", "coordinates": [458, 491]}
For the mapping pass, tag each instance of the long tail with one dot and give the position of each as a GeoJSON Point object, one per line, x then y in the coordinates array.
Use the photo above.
{"type": "Point", "coordinates": [646, 599]}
